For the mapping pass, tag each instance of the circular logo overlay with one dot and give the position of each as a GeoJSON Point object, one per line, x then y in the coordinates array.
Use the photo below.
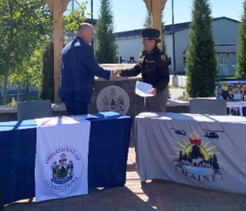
{"type": "Point", "coordinates": [62, 168]}
{"type": "Point", "coordinates": [113, 98]}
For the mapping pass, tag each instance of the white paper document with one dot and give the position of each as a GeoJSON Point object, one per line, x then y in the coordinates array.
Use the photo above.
{"type": "Point", "coordinates": [142, 89]}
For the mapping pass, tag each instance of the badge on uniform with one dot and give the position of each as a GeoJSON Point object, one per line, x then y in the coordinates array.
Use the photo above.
{"type": "Point", "coordinates": [163, 57]}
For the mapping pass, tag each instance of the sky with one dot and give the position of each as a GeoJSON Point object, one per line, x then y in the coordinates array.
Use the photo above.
{"type": "Point", "coordinates": [130, 14]}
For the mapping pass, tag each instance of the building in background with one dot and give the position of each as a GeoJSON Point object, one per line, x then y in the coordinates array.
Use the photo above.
{"type": "Point", "coordinates": [226, 35]}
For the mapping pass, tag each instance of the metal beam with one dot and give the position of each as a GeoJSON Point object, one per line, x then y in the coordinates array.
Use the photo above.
{"type": "Point", "coordinates": [174, 56]}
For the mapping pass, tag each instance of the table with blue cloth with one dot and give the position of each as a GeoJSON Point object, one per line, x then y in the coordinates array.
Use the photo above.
{"type": "Point", "coordinates": [107, 160]}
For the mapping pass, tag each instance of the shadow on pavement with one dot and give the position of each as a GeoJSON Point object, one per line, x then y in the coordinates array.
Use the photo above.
{"type": "Point", "coordinates": [114, 199]}
{"type": "Point", "coordinates": [171, 196]}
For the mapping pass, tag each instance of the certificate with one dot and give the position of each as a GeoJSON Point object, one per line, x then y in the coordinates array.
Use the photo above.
{"type": "Point", "coordinates": [142, 89]}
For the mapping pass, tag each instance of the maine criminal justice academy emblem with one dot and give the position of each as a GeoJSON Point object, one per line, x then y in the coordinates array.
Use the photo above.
{"type": "Point", "coordinates": [199, 161]}
{"type": "Point", "coordinates": [113, 98]}
{"type": "Point", "coordinates": [62, 168]}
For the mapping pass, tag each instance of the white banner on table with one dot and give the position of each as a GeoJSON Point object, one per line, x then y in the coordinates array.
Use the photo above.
{"type": "Point", "coordinates": [61, 158]}
{"type": "Point", "coordinates": [236, 108]}
{"type": "Point", "coordinates": [199, 150]}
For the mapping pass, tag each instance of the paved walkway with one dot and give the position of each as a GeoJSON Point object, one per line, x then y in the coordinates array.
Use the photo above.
{"type": "Point", "coordinates": [134, 196]}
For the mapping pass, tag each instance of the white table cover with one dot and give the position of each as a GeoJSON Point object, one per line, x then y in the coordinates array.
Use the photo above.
{"type": "Point", "coordinates": [198, 150]}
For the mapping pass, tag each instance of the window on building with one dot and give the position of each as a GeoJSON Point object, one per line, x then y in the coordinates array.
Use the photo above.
{"type": "Point", "coordinates": [169, 61]}
{"type": "Point", "coordinates": [132, 59]}
{"type": "Point", "coordinates": [122, 59]}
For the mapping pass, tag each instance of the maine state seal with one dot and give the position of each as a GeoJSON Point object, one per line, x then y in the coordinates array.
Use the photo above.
{"type": "Point", "coordinates": [62, 168]}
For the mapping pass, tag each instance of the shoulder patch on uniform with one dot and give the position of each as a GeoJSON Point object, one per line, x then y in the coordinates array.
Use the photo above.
{"type": "Point", "coordinates": [163, 57]}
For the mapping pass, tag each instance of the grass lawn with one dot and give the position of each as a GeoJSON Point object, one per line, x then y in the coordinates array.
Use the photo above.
{"type": "Point", "coordinates": [21, 100]}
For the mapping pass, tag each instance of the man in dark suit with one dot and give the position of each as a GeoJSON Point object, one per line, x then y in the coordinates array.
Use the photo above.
{"type": "Point", "coordinates": [79, 68]}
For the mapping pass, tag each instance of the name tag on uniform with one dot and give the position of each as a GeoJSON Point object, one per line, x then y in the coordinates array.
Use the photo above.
{"type": "Point", "coordinates": [150, 61]}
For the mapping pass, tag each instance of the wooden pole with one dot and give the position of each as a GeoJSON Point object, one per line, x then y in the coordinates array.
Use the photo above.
{"type": "Point", "coordinates": [156, 7]}
{"type": "Point", "coordinates": [218, 59]}
{"type": "Point", "coordinates": [50, 5]}
{"type": "Point", "coordinates": [173, 35]}
{"type": "Point", "coordinates": [57, 7]}
{"type": "Point", "coordinates": [156, 18]}
{"type": "Point", "coordinates": [58, 45]}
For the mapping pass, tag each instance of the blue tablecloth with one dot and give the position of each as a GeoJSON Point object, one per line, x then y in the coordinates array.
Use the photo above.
{"type": "Point", "coordinates": [107, 161]}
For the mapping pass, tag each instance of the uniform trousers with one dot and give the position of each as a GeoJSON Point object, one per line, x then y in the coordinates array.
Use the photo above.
{"type": "Point", "coordinates": [157, 103]}
{"type": "Point", "coordinates": [75, 107]}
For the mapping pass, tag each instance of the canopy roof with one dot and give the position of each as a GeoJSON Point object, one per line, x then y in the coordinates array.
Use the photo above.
{"type": "Point", "coordinates": [226, 48]}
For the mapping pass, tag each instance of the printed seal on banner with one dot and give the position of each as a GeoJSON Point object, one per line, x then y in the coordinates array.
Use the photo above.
{"type": "Point", "coordinates": [197, 161]}
{"type": "Point", "coordinates": [62, 168]}
{"type": "Point", "coordinates": [113, 98]}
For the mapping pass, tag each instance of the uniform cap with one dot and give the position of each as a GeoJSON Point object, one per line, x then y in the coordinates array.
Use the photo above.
{"type": "Point", "coordinates": [151, 33]}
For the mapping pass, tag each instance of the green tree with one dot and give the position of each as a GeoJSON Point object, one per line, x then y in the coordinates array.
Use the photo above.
{"type": "Point", "coordinates": [28, 72]}
{"type": "Point", "coordinates": [47, 83]}
{"type": "Point", "coordinates": [201, 64]}
{"type": "Point", "coordinates": [241, 54]}
{"type": "Point", "coordinates": [74, 19]}
{"type": "Point", "coordinates": [22, 28]}
{"type": "Point", "coordinates": [105, 46]}
{"type": "Point", "coordinates": [164, 47]}
{"type": "Point", "coordinates": [147, 20]}
{"type": "Point", "coordinates": [147, 25]}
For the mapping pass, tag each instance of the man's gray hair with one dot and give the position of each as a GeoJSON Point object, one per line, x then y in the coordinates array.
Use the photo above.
{"type": "Point", "coordinates": [84, 26]}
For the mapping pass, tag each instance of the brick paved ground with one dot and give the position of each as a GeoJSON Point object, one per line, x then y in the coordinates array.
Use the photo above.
{"type": "Point", "coordinates": [134, 196]}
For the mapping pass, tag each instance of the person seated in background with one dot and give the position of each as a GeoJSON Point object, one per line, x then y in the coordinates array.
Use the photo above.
{"type": "Point", "coordinates": [225, 94]}
{"type": "Point", "coordinates": [237, 96]}
{"type": "Point", "coordinates": [230, 96]}
{"type": "Point", "coordinates": [244, 93]}
{"type": "Point", "coordinates": [219, 94]}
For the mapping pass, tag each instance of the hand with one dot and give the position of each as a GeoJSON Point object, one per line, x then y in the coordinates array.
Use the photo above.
{"type": "Point", "coordinates": [119, 71]}
{"type": "Point", "coordinates": [153, 91]}
{"type": "Point", "coordinates": [114, 74]}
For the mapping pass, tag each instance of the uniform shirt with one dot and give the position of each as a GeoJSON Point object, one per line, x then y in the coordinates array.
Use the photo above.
{"type": "Point", "coordinates": [154, 68]}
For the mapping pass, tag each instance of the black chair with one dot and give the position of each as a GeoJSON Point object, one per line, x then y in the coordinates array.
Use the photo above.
{"type": "Point", "coordinates": [33, 109]}
{"type": "Point", "coordinates": [208, 106]}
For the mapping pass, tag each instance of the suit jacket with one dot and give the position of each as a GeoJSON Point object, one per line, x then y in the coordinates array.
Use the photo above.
{"type": "Point", "coordinates": [78, 70]}
{"type": "Point", "coordinates": [154, 69]}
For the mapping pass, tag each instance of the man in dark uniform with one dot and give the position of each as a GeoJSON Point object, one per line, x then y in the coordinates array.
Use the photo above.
{"type": "Point", "coordinates": [153, 64]}
{"type": "Point", "coordinates": [79, 68]}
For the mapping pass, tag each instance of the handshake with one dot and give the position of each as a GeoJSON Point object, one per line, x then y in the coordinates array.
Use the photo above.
{"type": "Point", "coordinates": [115, 73]}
